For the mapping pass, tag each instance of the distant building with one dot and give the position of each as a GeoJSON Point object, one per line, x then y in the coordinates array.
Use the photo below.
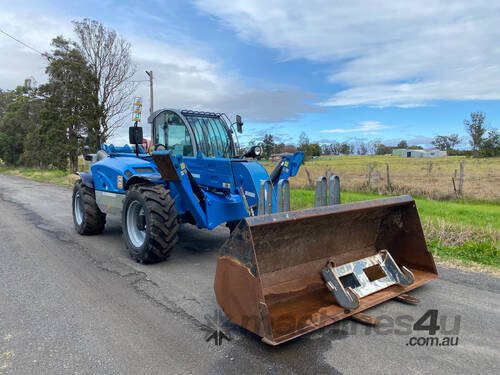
{"type": "Point", "coordinates": [398, 151]}
{"type": "Point", "coordinates": [275, 157]}
{"type": "Point", "coordinates": [408, 153]}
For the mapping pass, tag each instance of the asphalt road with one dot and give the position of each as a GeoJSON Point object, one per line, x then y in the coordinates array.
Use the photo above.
{"type": "Point", "coordinates": [78, 305]}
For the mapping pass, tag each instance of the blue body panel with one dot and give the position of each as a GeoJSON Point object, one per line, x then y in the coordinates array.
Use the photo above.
{"type": "Point", "coordinates": [211, 172]}
{"type": "Point", "coordinates": [248, 175]}
{"type": "Point", "coordinates": [106, 172]}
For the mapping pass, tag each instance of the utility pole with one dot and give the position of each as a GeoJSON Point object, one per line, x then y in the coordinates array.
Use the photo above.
{"type": "Point", "coordinates": [150, 74]}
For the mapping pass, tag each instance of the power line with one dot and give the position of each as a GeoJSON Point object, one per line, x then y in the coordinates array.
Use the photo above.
{"type": "Point", "coordinates": [24, 44]}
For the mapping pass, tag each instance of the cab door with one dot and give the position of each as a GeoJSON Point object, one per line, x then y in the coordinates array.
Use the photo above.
{"type": "Point", "coordinates": [170, 132]}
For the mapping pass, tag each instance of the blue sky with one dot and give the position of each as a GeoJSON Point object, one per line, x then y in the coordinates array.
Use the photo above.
{"type": "Point", "coordinates": [336, 70]}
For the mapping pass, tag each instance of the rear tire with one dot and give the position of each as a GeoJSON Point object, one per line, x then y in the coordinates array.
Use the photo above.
{"type": "Point", "coordinates": [87, 217]}
{"type": "Point", "coordinates": [149, 223]}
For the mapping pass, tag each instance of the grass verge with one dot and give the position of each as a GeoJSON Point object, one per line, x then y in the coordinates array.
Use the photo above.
{"type": "Point", "coordinates": [466, 231]}
{"type": "Point", "coordinates": [53, 176]}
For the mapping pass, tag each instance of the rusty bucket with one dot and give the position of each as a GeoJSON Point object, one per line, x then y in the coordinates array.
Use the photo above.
{"type": "Point", "coordinates": [269, 272]}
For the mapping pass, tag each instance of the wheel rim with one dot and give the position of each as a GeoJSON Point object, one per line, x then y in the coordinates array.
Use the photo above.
{"type": "Point", "coordinates": [136, 227]}
{"type": "Point", "coordinates": [78, 209]}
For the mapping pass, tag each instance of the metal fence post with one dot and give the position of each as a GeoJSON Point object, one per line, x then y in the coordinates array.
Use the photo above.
{"type": "Point", "coordinates": [283, 196]}
{"type": "Point", "coordinates": [320, 198]}
{"type": "Point", "coordinates": [334, 190]}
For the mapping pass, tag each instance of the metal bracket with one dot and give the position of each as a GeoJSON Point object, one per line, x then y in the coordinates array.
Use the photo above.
{"type": "Point", "coordinates": [265, 198]}
{"type": "Point", "coordinates": [283, 196]}
{"type": "Point", "coordinates": [334, 190]}
{"type": "Point", "coordinates": [320, 197]}
{"type": "Point", "coordinates": [327, 191]}
{"type": "Point", "coordinates": [352, 281]}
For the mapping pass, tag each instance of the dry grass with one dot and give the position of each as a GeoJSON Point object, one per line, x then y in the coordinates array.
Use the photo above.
{"type": "Point", "coordinates": [451, 234]}
{"type": "Point", "coordinates": [431, 178]}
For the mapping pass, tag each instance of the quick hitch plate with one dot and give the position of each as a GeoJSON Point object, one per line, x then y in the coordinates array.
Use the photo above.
{"type": "Point", "coordinates": [352, 281]}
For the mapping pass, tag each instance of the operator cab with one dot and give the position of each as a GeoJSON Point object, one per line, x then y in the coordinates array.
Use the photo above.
{"type": "Point", "coordinates": [190, 132]}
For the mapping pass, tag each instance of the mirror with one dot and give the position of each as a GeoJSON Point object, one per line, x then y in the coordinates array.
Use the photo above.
{"type": "Point", "coordinates": [239, 124]}
{"type": "Point", "coordinates": [135, 135]}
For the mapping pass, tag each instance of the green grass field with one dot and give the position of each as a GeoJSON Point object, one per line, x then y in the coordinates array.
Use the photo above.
{"type": "Point", "coordinates": [477, 214]}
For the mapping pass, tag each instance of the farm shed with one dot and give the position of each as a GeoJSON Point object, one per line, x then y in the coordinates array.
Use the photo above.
{"type": "Point", "coordinates": [398, 152]}
{"type": "Point", "coordinates": [407, 153]}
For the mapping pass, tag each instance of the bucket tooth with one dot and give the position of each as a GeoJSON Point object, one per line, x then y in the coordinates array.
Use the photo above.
{"type": "Point", "coordinates": [270, 272]}
{"type": "Point", "coordinates": [365, 318]}
{"type": "Point", "coordinates": [406, 298]}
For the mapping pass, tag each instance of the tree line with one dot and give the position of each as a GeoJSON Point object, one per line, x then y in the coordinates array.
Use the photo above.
{"type": "Point", "coordinates": [484, 142]}
{"type": "Point", "coordinates": [87, 94]}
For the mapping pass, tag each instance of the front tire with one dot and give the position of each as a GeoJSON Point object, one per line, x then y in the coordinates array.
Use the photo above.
{"type": "Point", "coordinates": [87, 217]}
{"type": "Point", "coordinates": [149, 223]}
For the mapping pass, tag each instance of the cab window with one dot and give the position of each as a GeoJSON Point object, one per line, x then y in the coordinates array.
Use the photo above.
{"type": "Point", "coordinates": [211, 136]}
{"type": "Point", "coordinates": [171, 133]}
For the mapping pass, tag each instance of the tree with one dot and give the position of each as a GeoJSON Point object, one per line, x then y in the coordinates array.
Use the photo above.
{"type": "Point", "coordinates": [446, 142]}
{"type": "Point", "coordinates": [6, 97]}
{"type": "Point", "coordinates": [372, 146]}
{"type": "Point", "coordinates": [304, 146]}
{"type": "Point", "coordinates": [22, 116]}
{"type": "Point", "coordinates": [314, 149]}
{"type": "Point", "coordinates": [326, 149]}
{"type": "Point", "coordinates": [336, 148]}
{"type": "Point", "coordinates": [303, 140]}
{"type": "Point", "coordinates": [383, 149]}
{"type": "Point", "coordinates": [109, 59]}
{"type": "Point", "coordinates": [345, 149]}
{"type": "Point", "coordinates": [476, 129]}
{"type": "Point", "coordinates": [267, 146]}
{"type": "Point", "coordinates": [402, 144]}
{"type": "Point", "coordinates": [362, 148]}
{"type": "Point", "coordinates": [491, 145]}
{"type": "Point", "coordinates": [70, 110]}
{"type": "Point", "coordinates": [279, 148]}
{"type": "Point", "coordinates": [453, 140]}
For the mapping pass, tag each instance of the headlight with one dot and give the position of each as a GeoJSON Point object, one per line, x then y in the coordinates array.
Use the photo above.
{"type": "Point", "coordinates": [257, 150]}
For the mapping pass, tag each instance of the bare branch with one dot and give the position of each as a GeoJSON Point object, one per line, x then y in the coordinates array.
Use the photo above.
{"type": "Point", "coordinates": [108, 56]}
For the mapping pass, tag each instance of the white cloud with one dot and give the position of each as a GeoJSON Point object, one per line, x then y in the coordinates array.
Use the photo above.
{"type": "Point", "coordinates": [182, 79]}
{"type": "Point", "coordinates": [382, 53]}
{"type": "Point", "coordinates": [367, 127]}
{"type": "Point", "coordinates": [37, 30]}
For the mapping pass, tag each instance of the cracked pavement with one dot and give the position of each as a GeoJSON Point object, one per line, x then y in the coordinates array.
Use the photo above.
{"type": "Point", "coordinates": [73, 304]}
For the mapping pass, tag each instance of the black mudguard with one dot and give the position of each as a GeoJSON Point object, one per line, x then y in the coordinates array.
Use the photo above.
{"type": "Point", "coordinates": [87, 179]}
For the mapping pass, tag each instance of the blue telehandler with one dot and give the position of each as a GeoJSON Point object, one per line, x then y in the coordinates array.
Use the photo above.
{"type": "Point", "coordinates": [281, 273]}
{"type": "Point", "coordinates": [196, 175]}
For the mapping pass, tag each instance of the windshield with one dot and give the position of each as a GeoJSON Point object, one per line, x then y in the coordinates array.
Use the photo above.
{"type": "Point", "coordinates": [211, 136]}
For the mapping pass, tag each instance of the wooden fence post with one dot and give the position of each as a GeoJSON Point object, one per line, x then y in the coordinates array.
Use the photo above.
{"type": "Point", "coordinates": [461, 181]}
{"type": "Point", "coordinates": [328, 173]}
{"type": "Point", "coordinates": [389, 187]}
{"type": "Point", "coordinates": [369, 173]}
{"type": "Point", "coordinates": [309, 178]}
